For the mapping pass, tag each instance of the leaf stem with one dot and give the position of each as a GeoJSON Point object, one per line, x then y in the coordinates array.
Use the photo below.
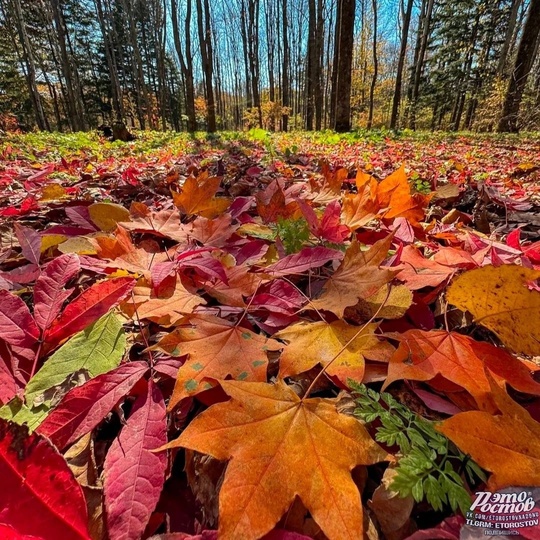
{"type": "Point", "coordinates": [360, 330]}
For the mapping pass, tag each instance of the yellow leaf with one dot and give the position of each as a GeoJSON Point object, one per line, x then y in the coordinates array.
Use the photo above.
{"type": "Point", "coordinates": [53, 192]}
{"type": "Point", "coordinates": [79, 245]}
{"type": "Point", "coordinates": [107, 215]}
{"type": "Point", "coordinates": [499, 299]}
{"type": "Point", "coordinates": [51, 240]}
{"type": "Point", "coordinates": [320, 342]}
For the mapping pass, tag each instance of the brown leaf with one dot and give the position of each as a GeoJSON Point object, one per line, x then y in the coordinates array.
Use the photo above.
{"type": "Point", "coordinates": [357, 277]}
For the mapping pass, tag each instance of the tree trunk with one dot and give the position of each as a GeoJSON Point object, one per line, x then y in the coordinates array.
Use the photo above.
{"type": "Point", "coordinates": [343, 66]}
{"type": "Point", "coordinates": [508, 39]}
{"type": "Point", "coordinates": [205, 42]}
{"type": "Point", "coordinates": [29, 64]}
{"type": "Point", "coordinates": [522, 67]}
{"type": "Point", "coordinates": [419, 68]}
{"type": "Point", "coordinates": [186, 65]}
{"type": "Point", "coordinates": [285, 91]}
{"type": "Point", "coordinates": [375, 67]}
{"type": "Point", "coordinates": [401, 62]}
{"type": "Point", "coordinates": [74, 105]}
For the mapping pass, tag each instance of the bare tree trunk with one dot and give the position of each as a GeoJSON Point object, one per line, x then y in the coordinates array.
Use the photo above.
{"type": "Point", "coordinates": [343, 65]}
{"type": "Point", "coordinates": [74, 93]}
{"type": "Point", "coordinates": [420, 63]}
{"type": "Point", "coordinates": [285, 90]}
{"type": "Point", "coordinates": [116, 91]}
{"type": "Point", "coordinates": [205, 41]}
{"type": "Point", "coordinates": [401, 62]}
{"type": "Point", "coordinates": [29, 64]}
{"type": "Point", "coordinates": [186, 63]}
{"type": "Point", "coordinates": [375, 67]}
{"type": "Point", "coordinates": [522, 68]}
{"type": "Point", "coordinates": [508, 38]}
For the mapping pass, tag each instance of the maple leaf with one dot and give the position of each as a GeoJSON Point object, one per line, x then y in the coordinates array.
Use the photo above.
{"type": "Point", "coordinates": [419, 272]}
{"type": "Point", "coordinates": [167, 307]}
{"type": "Point", "coordinates": [361, 208]}
{"type": "Point", "coordinates": [499, 299]}
{"type": "Point", "coordinates": [394, 195]}
{"type": "Point", "coordinates": [217, 348]}
{"type": "Point", "coordinates": [357, 277]}
{"type": "Point", "coordinates": [294, 447]}
{"type": "Point", "coordinates": [422, 355]}
{"type": "Point", "coordinates": [198, 196]}
{"type": "Point", "coordinates": [508, 445]}
{"type": "Point", "coordinates": [165, 223]}
{"type": "Point", "coordinates": [321, 342]}
{"type": "Point", "coordinates": [241, 283]}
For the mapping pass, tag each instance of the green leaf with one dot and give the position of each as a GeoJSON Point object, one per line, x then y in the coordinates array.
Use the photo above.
{"type": "Point", "coordinates": [16, 411]}
{"type": "Point", "coordinates": [97, 349]}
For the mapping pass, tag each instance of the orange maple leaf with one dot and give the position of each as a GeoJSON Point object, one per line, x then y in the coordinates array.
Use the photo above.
{"type": "Point", "coordinates": [321, 342]}
{"type": "Point", "coordinates": [217, 349]}
{"type": "Point", "coordinates": [508, 445]}
{"type": "Point", "coordinates": [422, 355]}
{"type": "Point", "coordinates": [172, 304]}
{"type": "Point", "coordinates": [198, 196]}
{"type": "Point", "coordinates": [281, 447]}
{"type": "Point", "coordinates": [357, 277]}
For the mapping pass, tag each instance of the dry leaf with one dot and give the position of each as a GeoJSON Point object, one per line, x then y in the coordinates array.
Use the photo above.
{"type": "Point", "coordinates": [499, 299]}
{"type": "Point", "coordinates": [280, 446]}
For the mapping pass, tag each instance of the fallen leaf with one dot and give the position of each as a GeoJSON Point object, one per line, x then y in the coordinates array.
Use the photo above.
{"type": "Point", "coordinates": [499, 299]}
{"type": "Point", "coordinates": [310, 344]}
{"type": "Point", "coordinates": [87, 308]}
{"type": "Point", "coordinates": [17, 326]}
{"type": "Point", "coordinates": [359, 276]}
{"type": "Point", "coordinates": [106, 216]}
{"type": "Point", "coordinates": [165, 223]}
{"type": "Point", "coordinates": [422, 355]}
{"type": "Point", "coordinates": [508, 445]}
{"type": "Point", "coordinates": [84, 407]}
{"type": "Point", "coordinates": [97, 349]}
{"type": "Point", "coordinates": [49, 293]}
{"type": "Point", "coordinates": [40, 494]}
{"type": "Point", "coordinates": [167, 308]}
{"type": "Point", "coordinates": [306, 259]}
{"type": "Point", "coordinates": [419, 272]}
{"type": "Point", "coordinates": [293, 447]}
{"type": "Point", "coordinates": [133, 475]}
{"type": "Point", "coordinates": [198, 196]}
{"type": "Point", "coordinates": [217, 348]}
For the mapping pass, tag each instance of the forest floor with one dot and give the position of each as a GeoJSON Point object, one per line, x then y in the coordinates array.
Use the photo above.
{"type": "Point", "coordinates": [228, 294]}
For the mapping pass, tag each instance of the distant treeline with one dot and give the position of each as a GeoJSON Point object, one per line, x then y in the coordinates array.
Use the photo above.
{"type": "Point", "coordinates": [277, 64]}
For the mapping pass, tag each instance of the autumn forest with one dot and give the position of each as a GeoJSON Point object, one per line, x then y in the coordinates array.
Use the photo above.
{"type": "Point", "coordinates": [269, 269]}
{"type": "Point", "coordinates": [273, 64]}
